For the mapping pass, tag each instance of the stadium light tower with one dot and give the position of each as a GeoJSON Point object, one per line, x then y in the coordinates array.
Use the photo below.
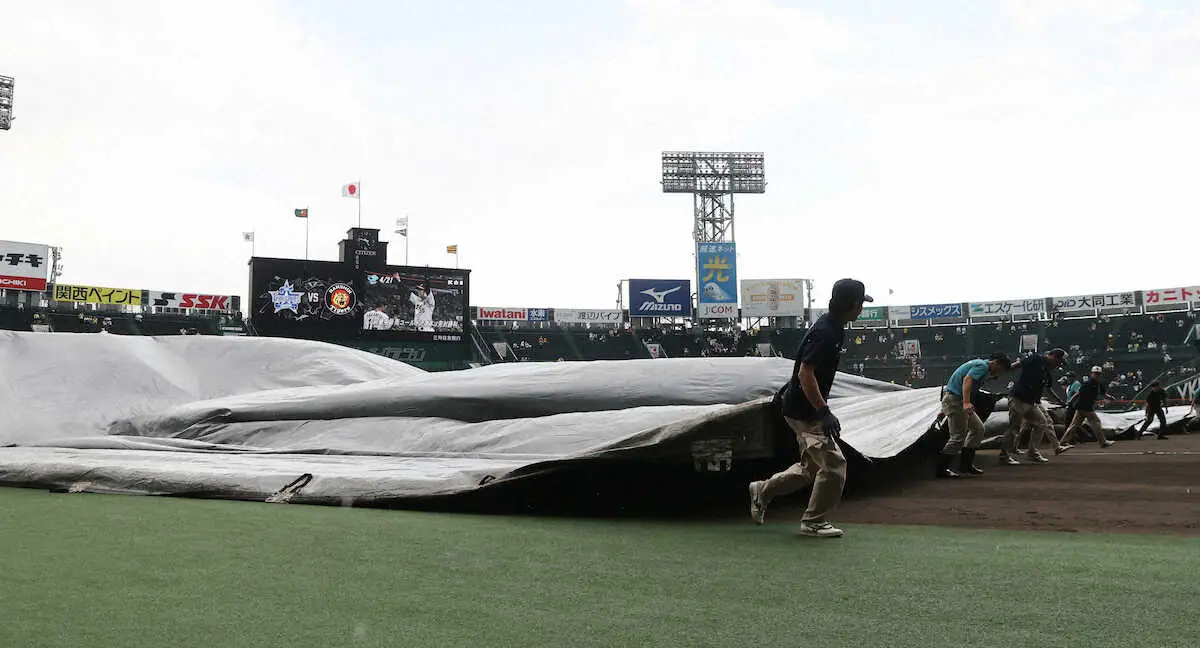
{"type": "Point", "coordinates": [6, 97]}
{"type": "Point", "coordinates": [712, 179]}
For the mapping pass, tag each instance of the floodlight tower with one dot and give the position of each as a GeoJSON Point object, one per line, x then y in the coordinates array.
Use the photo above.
{"type": "Point", "coordinates": [712, 179]}
{"type": "Point", "coordinates": [6, 96]}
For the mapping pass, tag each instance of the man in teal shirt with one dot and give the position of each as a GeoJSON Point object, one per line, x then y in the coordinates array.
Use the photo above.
{"type": "Point", "coordinates": [966, 428]}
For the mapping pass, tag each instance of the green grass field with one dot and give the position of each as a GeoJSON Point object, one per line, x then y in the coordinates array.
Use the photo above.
{"type": "Point", "coordinates": [98, 570]}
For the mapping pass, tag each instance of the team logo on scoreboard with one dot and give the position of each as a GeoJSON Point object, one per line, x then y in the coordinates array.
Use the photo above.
{"type": "Point", "coordinates": [340, 299]}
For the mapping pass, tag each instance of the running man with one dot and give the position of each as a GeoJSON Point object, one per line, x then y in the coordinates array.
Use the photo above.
{"type": "Point", "coordinates": [1025, 406]}
{"type": "Point", "coordinates": [1156, 406]}
{"type": "Point", "coordinates": [966, 428]}
{"type": "Point", "coordinates": [1084, 401]}
{"type": "Point", "coordinates": [806, 410]}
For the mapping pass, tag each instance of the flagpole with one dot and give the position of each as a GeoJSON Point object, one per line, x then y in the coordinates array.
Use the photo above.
{"type": "Point", "coordinates": [252, 237]}
{"type": "Point", "coordinates": [407, 224]}
{"type": "Point", "coordinates": [359, 183]}
{"type": "Point", "coordinates": [306, 233]}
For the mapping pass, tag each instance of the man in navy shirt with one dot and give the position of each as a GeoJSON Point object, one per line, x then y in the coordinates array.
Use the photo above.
{"type": "Point", "coordinates": [1024, 406]}
{"type": "Point", "coordinates": [1084, 401]}
{"type": "Point", "coordinates": [806, 409]}
{"type": "Point", "coordinates": [1156, 406]}
{"type": "Point", "coordinates": [958, 406]}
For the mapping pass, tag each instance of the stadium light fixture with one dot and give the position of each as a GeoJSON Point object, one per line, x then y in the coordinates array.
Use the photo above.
{"type": "Point", "coordinates": [6, 100]}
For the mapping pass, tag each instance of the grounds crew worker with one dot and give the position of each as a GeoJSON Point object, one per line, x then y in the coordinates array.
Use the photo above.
{"type": "Point", "coordinates": [1025, 406]}
{"type": "Point", "coordinates": [806, 410]}
{"type": "Point", "coordinates": [966, 428]}
{"type": "Point", "coordinates": [1084, 401]}
{"type": "Point", "coordinates": [1156, 405]}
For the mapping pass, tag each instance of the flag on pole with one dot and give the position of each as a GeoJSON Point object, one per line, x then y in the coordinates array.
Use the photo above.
{"type": "Point", "coordinates": [302, 213]}
{"type": "Point", "coordinates": [451, 249]}
{"type": "Point", "coordinates": [248, 236]}
{"type": "Point", "coordinates": [350, 190]}
{"type": "Point", "coordinates": [402, 226]}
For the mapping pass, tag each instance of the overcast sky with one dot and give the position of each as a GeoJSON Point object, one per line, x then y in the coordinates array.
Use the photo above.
{"type": "Point", "coordinates": [901, 139]}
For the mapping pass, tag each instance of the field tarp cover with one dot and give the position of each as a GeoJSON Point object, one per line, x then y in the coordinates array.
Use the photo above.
{"type": "Point", "coordinates": [240, 417]}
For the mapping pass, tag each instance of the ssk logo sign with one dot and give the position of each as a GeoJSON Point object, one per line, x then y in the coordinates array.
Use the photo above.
{"type": "Point", "coordinates": [507, 314]}
{"type": "Point", "coordinates": [191, 300]}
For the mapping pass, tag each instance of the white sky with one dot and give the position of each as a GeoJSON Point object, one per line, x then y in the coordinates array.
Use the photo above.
{"type": "Point", "coordinates": [899, 139]}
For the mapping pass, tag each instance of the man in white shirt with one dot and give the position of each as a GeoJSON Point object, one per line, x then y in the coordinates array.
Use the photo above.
{"type": "Point", "coordinates": [376, 320]}
{"type": "Point", "coordinates": [423, 303]}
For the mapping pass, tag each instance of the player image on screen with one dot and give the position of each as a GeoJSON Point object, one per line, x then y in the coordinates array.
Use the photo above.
{"type": "Point", "coordinates": [423, 305]}
{"type": "Point", "coordinates": [414, 299]}
{"type": "Point", "coordinates": [377, 319]}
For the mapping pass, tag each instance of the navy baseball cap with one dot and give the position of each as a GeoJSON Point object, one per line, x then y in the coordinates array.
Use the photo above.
{"type": "Point", "coordinates": [850, 290]}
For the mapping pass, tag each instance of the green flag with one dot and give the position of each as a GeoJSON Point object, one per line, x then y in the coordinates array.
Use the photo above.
{"type": "Point", "coordinates": [302, 213]}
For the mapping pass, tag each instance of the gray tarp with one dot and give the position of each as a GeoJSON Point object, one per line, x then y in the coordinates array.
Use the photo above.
{"type": "Point", "coordinates": [243, 416]}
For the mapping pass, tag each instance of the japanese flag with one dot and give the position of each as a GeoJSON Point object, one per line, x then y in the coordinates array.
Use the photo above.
{"type": "Point", "coordinates": [350, 190]}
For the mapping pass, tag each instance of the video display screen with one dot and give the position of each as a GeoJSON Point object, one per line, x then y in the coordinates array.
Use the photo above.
{"type": "Point", "coordinates": [428, 301]}
{"type": "Point", "coordinates": [332, 300]}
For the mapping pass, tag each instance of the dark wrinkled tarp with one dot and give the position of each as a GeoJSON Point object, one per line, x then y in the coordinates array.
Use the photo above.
{"type": "Point", "coordinates": [240, 417]}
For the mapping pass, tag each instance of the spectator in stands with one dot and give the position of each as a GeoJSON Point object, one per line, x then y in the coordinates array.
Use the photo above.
{"type": "Point", "coordinates": [958, 406]}
{"type": "Point", "coordinates": [1025, 405]}
{"type": "Point", "coordinates": [806, 410]}
{"type": "Point", "coordinates": [1156, 406]}
{"type": "Point", "coordinates": [1085, 408]}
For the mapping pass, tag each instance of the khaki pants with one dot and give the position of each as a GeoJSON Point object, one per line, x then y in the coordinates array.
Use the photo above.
{"type": "Point", "coordinates": [1021, 413]}
{"type": "Point", "coordinates": [1091, 419]}
{"type": "Point", "coordinates": [821, 464]}
{"type": "Point", "coordinates": [965, 431]}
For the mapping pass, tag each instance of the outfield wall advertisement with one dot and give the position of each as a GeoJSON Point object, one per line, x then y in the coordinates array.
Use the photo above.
{"type": "Point", "coordinates": [772, 297]}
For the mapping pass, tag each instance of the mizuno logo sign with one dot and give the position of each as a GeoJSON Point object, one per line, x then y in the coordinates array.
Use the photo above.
{"type": "Point", "coordinates": [659, 295]}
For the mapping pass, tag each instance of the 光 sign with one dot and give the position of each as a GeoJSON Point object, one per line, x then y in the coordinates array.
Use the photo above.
{"type": "Point", "coordinates": [660, 298]}
{"type": "Point", "coordinates": [717, 290]}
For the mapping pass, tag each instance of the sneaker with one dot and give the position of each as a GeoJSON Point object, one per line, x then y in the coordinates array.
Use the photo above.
{"type": "Point", "coordinates": [1006, 460]}
{"type": "Point", "coordinates": [1036, 457]}
{"type": "Point", "coordinates": [1108, 444]}
{"type": "Point", "coordinates": [819, 530]}
{"type": "Point", "coordinates": [1063, 448]}
{"type": "Point", "coordinates": [758, 511]}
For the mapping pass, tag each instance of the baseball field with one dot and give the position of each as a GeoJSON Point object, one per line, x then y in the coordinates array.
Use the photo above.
{"type": "Point", "coordinates": [1097, 548]}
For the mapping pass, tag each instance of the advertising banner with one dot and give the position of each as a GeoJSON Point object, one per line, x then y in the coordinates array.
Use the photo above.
{"type": "Point", "coordinates": [24, 266]}
{"type": "Point", "coordinates": [1009, 307]}
{"type": "Point", "coordinates": [97, 295]}
{"type": "Point", "coordinates": [934, 311]}
{"type": "Point", "coordinates": [191, 300]}
{"type": "Point", "coordinates": [1077, 303]}
{"type": "Point", "coordinates": [772, 297]}
{"type": "Point", "coordinates": [660, 297]}
{"type": "Point", "coordinates": [1163, 296]}
{"type": "Point", "coordinates": [432, 301]}
{"type": "Point", "coordinates": [572, 316]}
{"type": "Point", "coordinates": [899, 312]}
{"type": "Point", "coordinates": [503, 314]}
{"type": "Point", "coordinates": [874, 314]}
{"type": "Point", "coordinates": [716, 270]}
{"type": "Point", "coordinates": [537, 314]}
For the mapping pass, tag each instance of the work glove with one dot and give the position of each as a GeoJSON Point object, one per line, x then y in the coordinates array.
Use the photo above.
{"type": "Point", "coordinates": [830, 424]}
